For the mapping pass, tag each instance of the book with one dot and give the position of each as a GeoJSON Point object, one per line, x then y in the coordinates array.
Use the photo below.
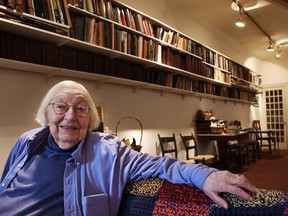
{"type": "Point", "coordinates": [38, 7]}
{"type": "Point", "coordinates": [20, 6]}
{"type": "Point", "coordinates": [128, 17]}
{"type": "Point", "coordinates": [65, 11]}
{"type": "Point", "coordinates": [30, 7]}
{"type": "Point", "coordinates": [108, 28]}
{"type": "Point", "coordinates": [89, 6]}
{"type": "Point", "coordinates": [139, 23]}
{"type": "Point", "coordinates": [96, 6]}
{"type": "Point", "coordinates": [109, 10]}
{"type": "Point", "coordinates": [140, 46]}
{"type": "Point", "coordinates": [133, 22]}
{"type": "Point", "coordinates": [56, 11]}
{"type": "Point", "coordinates": [102, 8]}
{"type": "Point", "coordinates": [10, 4]}
{"type": "Point", "coordinates": [122, 17]}
{"type": "Point", "coordinates": [79, 28]}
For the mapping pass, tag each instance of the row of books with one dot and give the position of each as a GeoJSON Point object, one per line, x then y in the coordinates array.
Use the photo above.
{"type": "Point", "coordinates": [241, 95]}
{"type": "Point", "coordinates": [221, 62]}
{"type": "Point", "coordinates": [91, 30]}
{"type": "Point", "coordinates": [241, 72]}
{"type": "Point", "coordinates": [136, 21]}
{"type": "Point", "coordinates": [53, 10]}
{"type": "Point", "coordinates": [46, 53]}
{"type": "Point", "coordinates": [104, 34]}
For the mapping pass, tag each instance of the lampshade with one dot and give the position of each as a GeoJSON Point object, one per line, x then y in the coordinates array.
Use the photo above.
{"type": "Point", "coordinates": [270, 48]}
{"type": "Point", "coordinates": [278, 54]}
{"type": "Point", "coordinates": [240, 22]}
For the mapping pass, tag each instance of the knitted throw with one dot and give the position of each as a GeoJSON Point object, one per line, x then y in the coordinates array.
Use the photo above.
{"type": "Point", "coordinates": [155, 196]}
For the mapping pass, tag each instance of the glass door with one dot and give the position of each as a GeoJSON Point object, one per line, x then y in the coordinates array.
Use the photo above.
{"type": "Point", "coordinates": [275, 113]}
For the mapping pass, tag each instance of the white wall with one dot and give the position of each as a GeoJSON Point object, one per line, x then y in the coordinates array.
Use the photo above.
{"type": "Point", "coordinates": [167, 113]}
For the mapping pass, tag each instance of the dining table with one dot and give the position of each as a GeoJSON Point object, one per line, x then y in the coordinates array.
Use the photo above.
{"type": "Point", "coordinates": [222, 141]}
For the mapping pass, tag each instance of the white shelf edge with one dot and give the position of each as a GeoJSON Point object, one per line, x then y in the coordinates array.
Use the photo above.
{"type": "Point", "coordinates": [103, 79]}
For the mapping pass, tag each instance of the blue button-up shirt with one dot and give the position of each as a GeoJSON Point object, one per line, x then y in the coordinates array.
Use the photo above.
{"type": "Point", "coordinates": [98, 171]}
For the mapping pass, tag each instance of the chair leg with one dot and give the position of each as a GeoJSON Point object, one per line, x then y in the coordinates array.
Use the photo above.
{"type": "Point", "coordinates": [240, 157]}
{"type": "Point", "coordinates": [247, 153]}
{"type": "Point", "coordinates": [253, 152]}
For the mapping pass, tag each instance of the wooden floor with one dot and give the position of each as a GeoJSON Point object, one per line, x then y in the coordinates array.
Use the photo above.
{"type": "Point", "coordinates": [269, 172]}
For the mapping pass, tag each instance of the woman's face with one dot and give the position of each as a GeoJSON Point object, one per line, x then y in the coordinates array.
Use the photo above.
{"type": "Point", "coordinates": [68, 128]}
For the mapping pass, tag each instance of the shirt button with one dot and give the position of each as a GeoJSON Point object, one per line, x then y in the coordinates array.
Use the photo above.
{"type": "Point", "coordinates": [3, 184]}
{"type": "Point", "coordinates": [18, 165]}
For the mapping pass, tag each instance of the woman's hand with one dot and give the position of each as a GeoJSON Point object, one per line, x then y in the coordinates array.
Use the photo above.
{"type": "Point", "coordinates": [225, 181]}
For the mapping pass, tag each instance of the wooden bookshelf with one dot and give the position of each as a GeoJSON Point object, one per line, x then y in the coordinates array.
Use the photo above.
{"type": "Point", "coordinates": [117, 44]}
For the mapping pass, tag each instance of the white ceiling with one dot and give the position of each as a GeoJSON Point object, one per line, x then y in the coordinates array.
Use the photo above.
{"type": "Point", "coordinates": [270, 15]}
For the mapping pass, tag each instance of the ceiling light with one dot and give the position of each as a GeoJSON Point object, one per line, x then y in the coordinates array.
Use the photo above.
{"type": "Point", "coordinates": [278, 54]}
{"type": "Point", "coordinates": [240, 22]}
{"type": "Point", "coordinates": [270, 48]}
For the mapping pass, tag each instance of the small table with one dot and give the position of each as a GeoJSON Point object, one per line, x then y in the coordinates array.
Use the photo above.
{"type": "Point", "coordinates": [222, 144]}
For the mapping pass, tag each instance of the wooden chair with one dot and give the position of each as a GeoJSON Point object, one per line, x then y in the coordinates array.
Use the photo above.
{"type": "Point", "coordinates": [168, 145]}
{"type": "Point", "coordinates": [239, 151]}
{"type": "Point", "coordinates": [266, 138]}
{"type": "Point", "coordinates": [190, 143]}
{"type": "Point", "coordinates": [253, 145]}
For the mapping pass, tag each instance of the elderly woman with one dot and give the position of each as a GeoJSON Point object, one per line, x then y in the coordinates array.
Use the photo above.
{"type": "Point", "coordinates": [63, 168]}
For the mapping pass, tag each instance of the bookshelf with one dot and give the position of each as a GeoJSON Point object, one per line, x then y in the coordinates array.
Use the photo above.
{"type": "Point", "coordinates": [112, 43]}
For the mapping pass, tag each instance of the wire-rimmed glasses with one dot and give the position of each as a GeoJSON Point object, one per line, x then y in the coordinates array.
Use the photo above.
{"type": "Point", "coordinates": [80, 109]}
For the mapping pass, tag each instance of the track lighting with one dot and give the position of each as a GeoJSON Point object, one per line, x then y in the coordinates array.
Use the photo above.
{"type": "Point", "coordinates": [270, 48]}
{"type": "Point", "coordinates": [240, 22]}
{"type": "Point", "coordinates": [278, 54]}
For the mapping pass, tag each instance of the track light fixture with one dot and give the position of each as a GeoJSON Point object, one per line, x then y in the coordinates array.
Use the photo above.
{"type": "Point", "coordinates": [270, 48]}
{"type": "Point", "coordinates": [240, 22]}
{"type": "Point", "coordinates": [278, 54]}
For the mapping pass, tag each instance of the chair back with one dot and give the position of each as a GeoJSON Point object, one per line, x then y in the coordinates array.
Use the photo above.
{"type": "Point", "coordinates": [256, 126]}
{"type": "Point", "coordinates": [189, 142]}
{"type": "Point", "coordinates": [168, 145]}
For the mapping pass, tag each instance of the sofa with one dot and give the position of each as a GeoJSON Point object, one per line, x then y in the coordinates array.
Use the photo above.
{"type": "Point", "coordinates": [155, 196]}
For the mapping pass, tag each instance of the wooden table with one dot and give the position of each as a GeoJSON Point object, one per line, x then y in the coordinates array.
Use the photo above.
{"type": "Point", "coordinates": [222, 145]}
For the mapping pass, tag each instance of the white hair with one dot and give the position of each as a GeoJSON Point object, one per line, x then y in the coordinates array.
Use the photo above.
{"type": "Point", "coordinates": [70, 86]}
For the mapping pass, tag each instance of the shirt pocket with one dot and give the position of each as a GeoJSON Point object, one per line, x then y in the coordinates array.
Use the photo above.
{"type": "Point", "coordinates": [96, 204]}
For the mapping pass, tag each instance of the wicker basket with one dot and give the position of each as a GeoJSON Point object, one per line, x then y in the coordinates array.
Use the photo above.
{"type": "Point", "coordinates": [232, 131]}
{"type": "Point", "coordinates": [136, 147]}
{"type": "Point", "coordinates": [217, 130]}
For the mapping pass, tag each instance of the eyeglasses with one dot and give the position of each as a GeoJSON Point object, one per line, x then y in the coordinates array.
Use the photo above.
{"type": "Point", "coordinates": [61, 108]}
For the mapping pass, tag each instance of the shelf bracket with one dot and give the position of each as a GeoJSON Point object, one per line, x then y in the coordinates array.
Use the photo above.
{"type": "Point", "coordinates": [114, 56]}
{"type": "Point", "coordinates": [97, 85]}
{"type": "Point", "coordinates": [48, 75]}
{"type": "Point", "coordinates": [62, 43]}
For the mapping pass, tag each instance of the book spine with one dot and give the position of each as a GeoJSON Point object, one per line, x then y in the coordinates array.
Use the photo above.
{"type": "Point", "coordinates": [20, 6]}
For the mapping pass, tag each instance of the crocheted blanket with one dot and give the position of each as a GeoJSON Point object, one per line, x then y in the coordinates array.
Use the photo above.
{"type": "Point", "coordinates": [156, 196]}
